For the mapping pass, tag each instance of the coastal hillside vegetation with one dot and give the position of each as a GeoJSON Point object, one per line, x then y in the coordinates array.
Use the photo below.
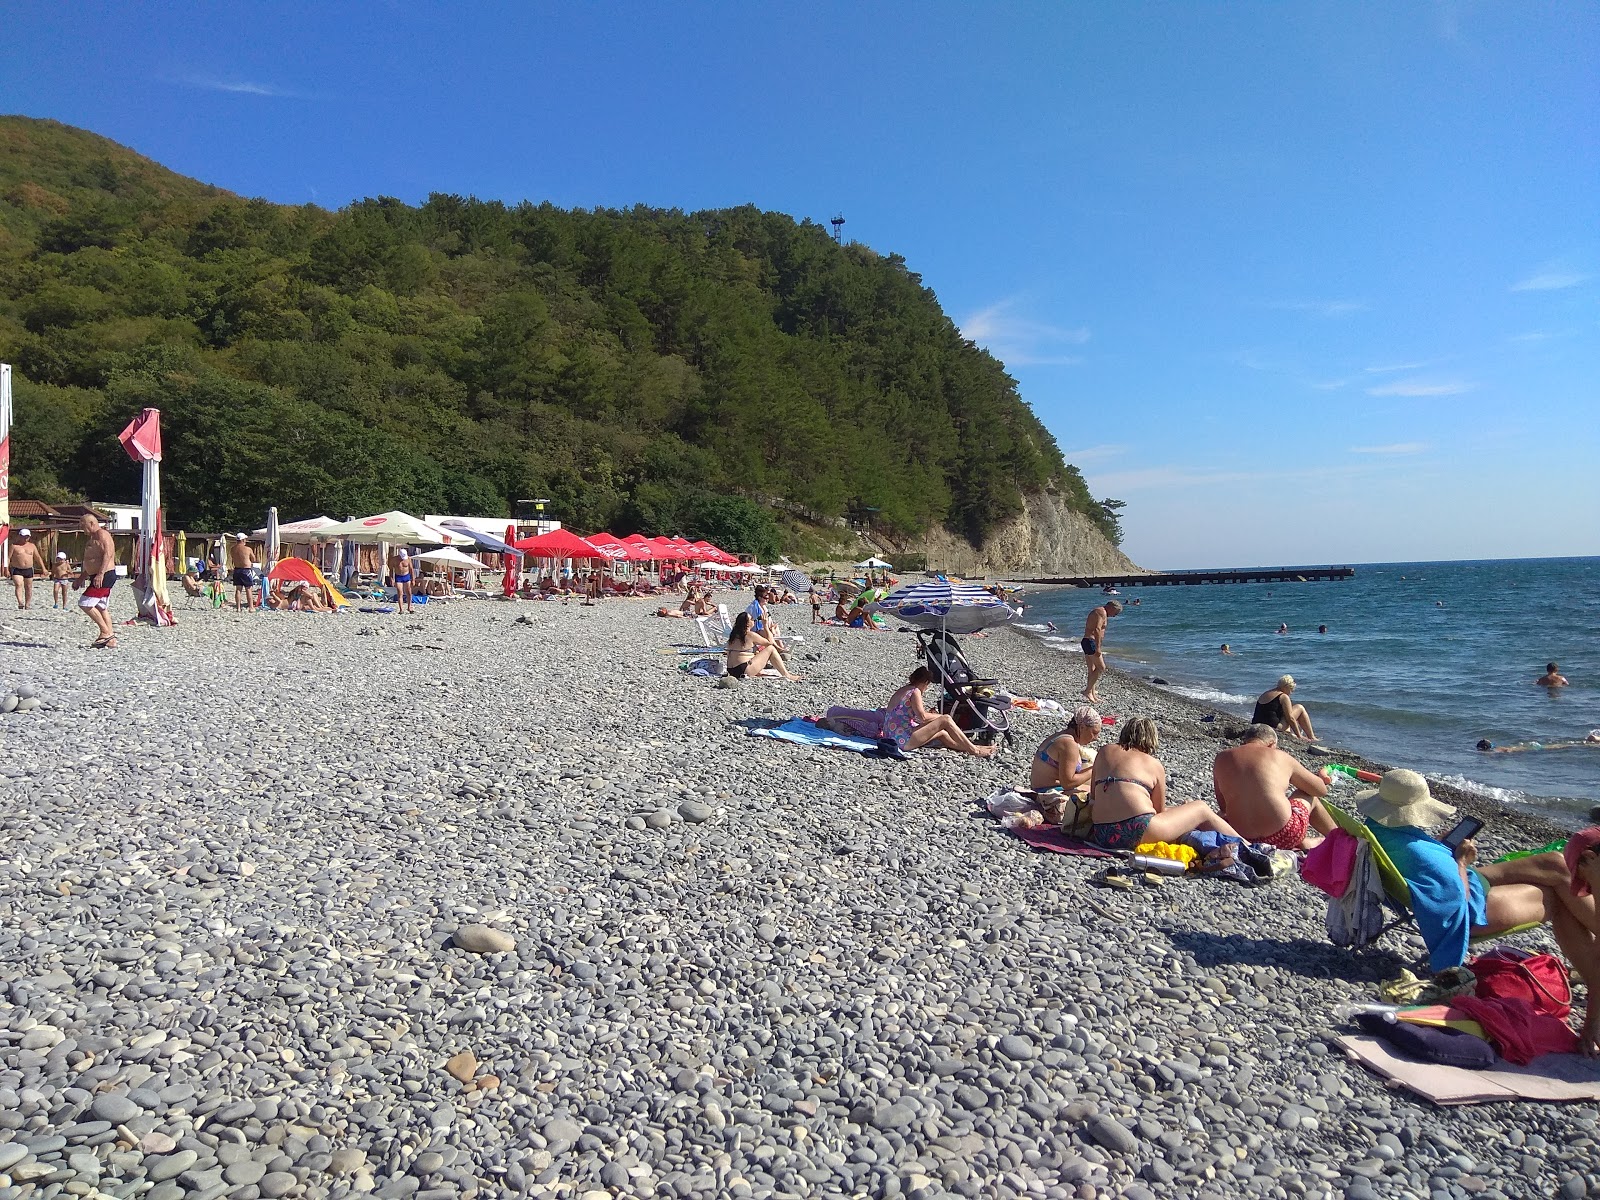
{"type": "Point", "coordinates": [718, 373]}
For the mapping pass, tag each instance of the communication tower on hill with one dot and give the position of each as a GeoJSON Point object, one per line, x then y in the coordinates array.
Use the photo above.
{"type": "Point", "coordinates": [838, 227]}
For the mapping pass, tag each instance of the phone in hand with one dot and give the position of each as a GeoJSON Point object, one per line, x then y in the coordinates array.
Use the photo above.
{"type": "Point", "coordinates": [1466, 828]}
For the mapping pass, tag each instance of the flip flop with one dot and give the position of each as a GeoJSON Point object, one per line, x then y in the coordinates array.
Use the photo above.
{"type": "Point", "coordinates": [98, 643]}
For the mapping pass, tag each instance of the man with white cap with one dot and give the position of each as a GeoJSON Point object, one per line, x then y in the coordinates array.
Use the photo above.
{"type": "Point", "coordinates": [25, 563]}
{"type": "Point", "coordinates": [61, 582]}
{"type": "Point", "coordinates": [242, 561]}
{"type": "Point", "coordinates": [1455, 900]}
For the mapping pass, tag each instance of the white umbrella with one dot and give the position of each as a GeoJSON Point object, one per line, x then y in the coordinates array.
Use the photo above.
{"type": "Point", "coordinates": [274, 548]}
{"type": "Point", "coordinates": [398, 527]}
{"type": "Point", "coordinates": [453, 558]}
{"type": "Point", "coordinates": [5, 464]}
{"type": "Point", "coordinates": [142, 440]}
{"type": "Point", "coordinates": [875, 564]}
{"type": "Point", "coordinates": [288, 529]}
{"type": "Point", "coordinates": [953, 607]}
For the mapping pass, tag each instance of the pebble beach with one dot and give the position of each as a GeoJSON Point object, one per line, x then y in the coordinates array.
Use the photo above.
{"type": "Point", "coordinates": [496, 900]}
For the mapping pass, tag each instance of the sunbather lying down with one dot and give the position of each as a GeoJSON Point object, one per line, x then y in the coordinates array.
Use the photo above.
{"type": "Point", "coordinates": [1454, 899]}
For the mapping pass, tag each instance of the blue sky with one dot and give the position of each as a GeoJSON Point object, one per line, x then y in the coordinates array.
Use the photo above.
{"type": "Point", "coordinates": [1299, 282]}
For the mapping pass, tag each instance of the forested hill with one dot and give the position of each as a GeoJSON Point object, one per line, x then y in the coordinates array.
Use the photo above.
{"type": "Point", "coordinates": [644, 369]}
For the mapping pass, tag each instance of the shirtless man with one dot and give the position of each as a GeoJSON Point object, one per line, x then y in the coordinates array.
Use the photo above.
{"type": "Point", "coordinates": [400, 571]}
{"type": "Point", "coordinates": [61, 587]}
{"type": "Point", "coordinates": [26, 562]}
{"type": "Point", "coordinates": [1552, 676]}
{"type": "Point", "coordinates": [1094, 645]}
{"type": "Point", "coordinates": [1267, 795]}
{"type": "Point", "coordinates": [242, 560]}
{"type": "Point", "coordinates": [95, 577]}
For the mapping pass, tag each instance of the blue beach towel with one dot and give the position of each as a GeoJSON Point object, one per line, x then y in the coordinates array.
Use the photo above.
{"type": "Point", "coordinates": [804, 733]}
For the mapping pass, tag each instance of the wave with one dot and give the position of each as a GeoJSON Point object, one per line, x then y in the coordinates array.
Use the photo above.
{"type": "Point", "coordinates": [1505, 796]}
{"type": "Point", "coordinates": [1207, 695]}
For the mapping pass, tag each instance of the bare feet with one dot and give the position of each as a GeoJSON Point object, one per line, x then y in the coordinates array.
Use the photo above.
{"type": "Point", "coordinates": [985, 751]}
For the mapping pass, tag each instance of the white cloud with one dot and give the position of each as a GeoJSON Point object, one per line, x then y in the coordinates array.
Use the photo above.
{"type": "Point", "coordinates": [1392, 448]}
{"type": "Point", "coordinates": [1550, 279]}
{"type": "Point", "coordinates": [1020, 340]}
{"type": "Point", "coordinates": [1421, 387]}
{"type": "Point", "coordinates": [241, 87]}
{"type": "Point", "coordinates": [1392, 368]}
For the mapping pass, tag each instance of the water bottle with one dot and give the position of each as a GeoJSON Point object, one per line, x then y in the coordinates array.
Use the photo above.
{"type": "Point", "coordinates": [1159, 866]}
{"type": "Point", "coordinates": [1347, 1013]}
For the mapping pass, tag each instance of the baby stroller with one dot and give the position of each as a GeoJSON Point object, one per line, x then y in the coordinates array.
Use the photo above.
{"type": "Point", "coordinates": [967, 699]}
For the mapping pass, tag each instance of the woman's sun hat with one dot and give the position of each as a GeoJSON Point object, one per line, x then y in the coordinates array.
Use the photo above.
{"type": "Point", "coordinates": [1402, 798]}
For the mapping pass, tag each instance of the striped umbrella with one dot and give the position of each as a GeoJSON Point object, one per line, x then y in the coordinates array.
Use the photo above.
{"type": "Point", "coordinates": [953, 607]}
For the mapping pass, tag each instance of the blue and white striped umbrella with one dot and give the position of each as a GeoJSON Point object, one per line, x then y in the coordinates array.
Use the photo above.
{"type": "Point", "coordinates": [954, 607]}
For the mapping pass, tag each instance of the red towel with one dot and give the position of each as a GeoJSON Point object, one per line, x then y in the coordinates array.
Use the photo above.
{"type": "Point", "coordinates": [1521, 1031]}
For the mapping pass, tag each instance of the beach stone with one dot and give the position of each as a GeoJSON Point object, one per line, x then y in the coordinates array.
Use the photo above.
{"type": "Point", "coordinates": [246, 1172]}
{"type": "Point", "coordinates": [614, 1175]}
{"type": "Point", "coordinates": [277, 1183]}
{"type": "Point", "coordinates": [169, 1166]}
{"type": "Point", "coordinates": [1113, 1135]}
{"type": "Point", "coordinates": [1019, 1048]}
{"type": "Point", "coordinates": [462, 1066]}
{"type": "Point", "coordinates": [114, 1108]}
{"type": "Point", "coordinates": [695, 811]}
{"type": "Point", "coordinates": [11, 1153]}
{"type": "Point", "coordinates": [347, 1160]}
{"type": "Point", "coordinates": [659, 819]}
{"type": "Point", "coordinates": [481, 939]}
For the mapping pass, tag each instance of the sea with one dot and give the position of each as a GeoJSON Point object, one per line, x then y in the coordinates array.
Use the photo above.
{"type": "Point", "coordinates": [1419, 661]}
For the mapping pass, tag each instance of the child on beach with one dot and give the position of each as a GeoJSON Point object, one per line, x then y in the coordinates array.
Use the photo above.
{"type": "Point", "coordinates": [61, 581]}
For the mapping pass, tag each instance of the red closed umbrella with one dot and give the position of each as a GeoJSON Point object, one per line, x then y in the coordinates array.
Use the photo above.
{"type": "Point", "coordinates": [511, 562]}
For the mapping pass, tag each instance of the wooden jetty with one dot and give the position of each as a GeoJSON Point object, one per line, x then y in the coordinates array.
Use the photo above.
{"type": "Point", "coordinates": [1184, 578]}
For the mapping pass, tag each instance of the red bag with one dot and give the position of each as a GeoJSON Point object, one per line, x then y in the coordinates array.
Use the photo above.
{"type": "Point", "coordinates": [1536, 979]}
{"type": "Point", "coordinates": [1329, 864]}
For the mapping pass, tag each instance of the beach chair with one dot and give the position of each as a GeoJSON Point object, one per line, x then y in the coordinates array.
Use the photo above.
{"type": "Point", "coordinates": [1395, 888]}
{"type": "Point", "coordinates": [714, 631]}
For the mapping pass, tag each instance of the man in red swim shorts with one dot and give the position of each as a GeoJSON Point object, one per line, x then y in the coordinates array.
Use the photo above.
{"type": "Point", "coordinates": [1267, 795]}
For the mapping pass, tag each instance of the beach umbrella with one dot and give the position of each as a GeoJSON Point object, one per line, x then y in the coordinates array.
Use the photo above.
{"type": "Point", "coordinates": [559, 543]}
{"type": "Point", "coordinates": [513, 564]}
{"type": "Point", "coordinates": [274, 545]}
{"type": "Point", "coordinates": [5, 465]}
{"type": "Point", "coordinates": [953, 607]}
{"type": "Point", "coordinates": [182, 552]}
{"type": "Point", "coordinates": [796, 581]}
{"type": "Point", "coordinates": [874, 564]}
{"type": "Point", "coordinates": [142, 440]}
{"type": "Point", "coordinates": [397, 527]}
{"type": "Point", "coordinates": [452, 557]}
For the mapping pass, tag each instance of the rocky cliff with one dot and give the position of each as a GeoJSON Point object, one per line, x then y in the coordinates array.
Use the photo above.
{"type": "Point", "coordinates": [1046, 538]}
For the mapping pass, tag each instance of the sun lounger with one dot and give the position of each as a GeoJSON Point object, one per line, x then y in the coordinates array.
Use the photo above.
{"type": "Point", "coordinates": [1395, 888]}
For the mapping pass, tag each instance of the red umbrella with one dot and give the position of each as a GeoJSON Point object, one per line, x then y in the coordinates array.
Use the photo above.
{"type": "Point", "coordinates": [511, 561]}
{"type": "Point", "coordinates": [559, 543]}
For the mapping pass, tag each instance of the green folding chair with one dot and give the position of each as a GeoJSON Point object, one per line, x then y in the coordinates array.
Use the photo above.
{"type": "Point", "coordinates": [1395, 888]}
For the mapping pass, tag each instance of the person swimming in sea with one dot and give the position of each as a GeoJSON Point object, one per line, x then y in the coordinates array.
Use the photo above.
{"type": "Point", "coordinates": [1322, 629]}
{"type": "Point", "coordinates": [1226, 651]}
{"type": "Point", "coordinates": [1552, 677]}
{"type": "Point", "coordinates": [1591, 740]}
{"type": "Point", "coordinates": [1284, 628]}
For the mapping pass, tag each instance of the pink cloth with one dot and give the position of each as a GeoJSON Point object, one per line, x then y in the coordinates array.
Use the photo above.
{"type": "Point", "coordinates": [1519, 1031]}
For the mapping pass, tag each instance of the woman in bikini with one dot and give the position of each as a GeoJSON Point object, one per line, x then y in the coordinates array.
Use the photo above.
{"type": "Point", "coordinates": [749, 653]}
{"type": "Point", "coordinates": [907, 720]}
{"type": "Point", "coordinates": [1065, 759]}
{"type": "Point", "coordinates": [1130, 795]}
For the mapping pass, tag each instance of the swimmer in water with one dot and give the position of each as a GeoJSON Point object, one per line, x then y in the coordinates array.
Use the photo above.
{"type": "Point", "coordinates": [1225, 649]}
{"type": "Point", "coordinates": [1591, 739]}
{"type": "Point", "coordinates": [1438, 603]}
{"type": "Point", "coordinates": [1284, 628]}
{"type": "Point", "coordinates": [1322, 629]}
{"type": "Point", "coordinates": [1050, 626]}
{"type": "Point", "coordinates": [1552, 677]}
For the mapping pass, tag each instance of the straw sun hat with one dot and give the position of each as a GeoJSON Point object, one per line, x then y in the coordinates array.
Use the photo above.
{"type": "Point", "coordinates": [1402, 798]}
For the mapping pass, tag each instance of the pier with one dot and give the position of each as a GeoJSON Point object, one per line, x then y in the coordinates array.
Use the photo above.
{"type": "Point", "coordinates": [1186, 578]}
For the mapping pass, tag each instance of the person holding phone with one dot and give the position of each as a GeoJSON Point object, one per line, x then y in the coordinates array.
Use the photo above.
{"type": "Point", "coordinates": [1454, 899]}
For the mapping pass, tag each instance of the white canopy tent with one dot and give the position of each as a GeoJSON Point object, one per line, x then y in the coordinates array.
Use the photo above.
{"type": "Point", "coordinates": [874, 564]}
{"type": "Point", "coordinates": [395, 528]}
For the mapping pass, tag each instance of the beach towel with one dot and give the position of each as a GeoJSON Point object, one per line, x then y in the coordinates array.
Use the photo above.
{"type": "Point", "coordinates": [1055, 842]}
{"type": "Point", "coordinates": [1355, 919]}
{"type": "Point", "coordinates": [1550, 1078]}
{"type": "Point", "coordinates": [801, 732]}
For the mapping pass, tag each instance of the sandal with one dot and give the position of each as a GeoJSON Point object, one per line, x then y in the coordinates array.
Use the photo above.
{"type": "Point", "coordinates": [106, 644]}
{"type": "Point", "coordinates": [98, 643]}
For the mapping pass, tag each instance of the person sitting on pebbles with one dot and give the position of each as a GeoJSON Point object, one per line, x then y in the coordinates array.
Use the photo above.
{"type": "Point", "coordinates": [907, 719]}
{"type": "Point", "coordinates": [1275, 709]}
{"type": "Point", "coordinates": [1267, 795]}
{"type": "Point", "coordinates": [1065, 759]}
{"type": "Point", "coordinates": [1129, 791]}
{"type": "Point", "coordinates": [1454, 898]}
{"type": "Point", "coordinates": [749, 653]}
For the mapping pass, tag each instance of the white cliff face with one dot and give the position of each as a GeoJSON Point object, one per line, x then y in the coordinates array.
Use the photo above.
{"type": "Point", "coordinates": [1046, 538]}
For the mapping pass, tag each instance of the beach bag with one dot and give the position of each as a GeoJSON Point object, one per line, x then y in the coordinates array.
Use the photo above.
{"type": "Point", "coordinates": [1330, 863]}
{"type": "Point", "coordinates": [1067, 812]}
{"type": "Point", "coordinates": [1536, 979]}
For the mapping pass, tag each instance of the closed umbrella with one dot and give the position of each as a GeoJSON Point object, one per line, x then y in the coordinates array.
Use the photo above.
{"type": "Point", "coordinates": [953, 607]}
{"type": "Point", "coordinates": [270, 558]}
{"type": "Point", "coordinates": [142, 440]}
{"type": "Point", "coordinates": [513, 561]}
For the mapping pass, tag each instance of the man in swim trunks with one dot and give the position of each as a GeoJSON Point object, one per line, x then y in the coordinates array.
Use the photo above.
{"type": "Point", "coordinates": [1267, 795]}
{"type": "Point", "coordinates": [25, 564]}
{"type": "Point", "coordinates": [1552, 676]}
{"type": "Point", "coordinates": [1094, 642]}
{"type": "Point", "coordinates": [400, 572]}
{"type": "Point", "coordinates": [242, 561]}
{"type": "Point", "coordinates": [95, 577]}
